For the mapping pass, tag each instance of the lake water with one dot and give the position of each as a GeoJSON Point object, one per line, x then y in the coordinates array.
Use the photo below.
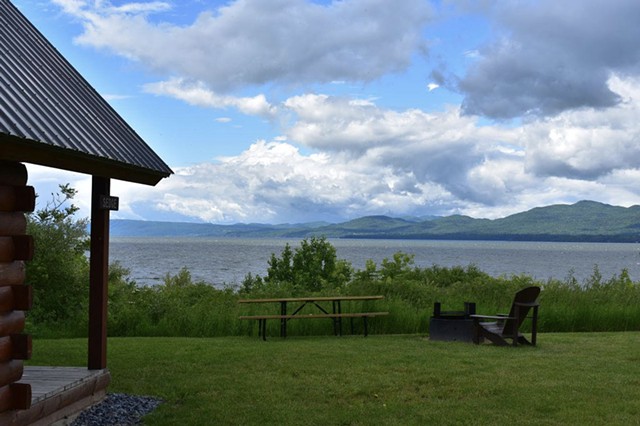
{"type": "Point", "coordinates": [228, 260]}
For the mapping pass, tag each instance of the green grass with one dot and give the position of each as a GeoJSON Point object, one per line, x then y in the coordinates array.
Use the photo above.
{"type": "Point", "coordinates": [590, 378]}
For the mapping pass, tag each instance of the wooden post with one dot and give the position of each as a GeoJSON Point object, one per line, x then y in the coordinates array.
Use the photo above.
{"type": "Point", "coordinates": [98, 275]}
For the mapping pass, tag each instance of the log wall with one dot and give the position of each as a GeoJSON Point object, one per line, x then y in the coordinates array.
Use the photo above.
{"type": "Point", "coordinates": [16, 198]}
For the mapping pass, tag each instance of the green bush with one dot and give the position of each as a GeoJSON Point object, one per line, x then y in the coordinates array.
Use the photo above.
{"type": "Point", "coordinates": [59, 271]}
{"type": "Point", "coordinates": [177, 307]}
{"type": "Point", "coordinates": [312, 267]}
{"type": "Point", "coordinates": [180, 307]}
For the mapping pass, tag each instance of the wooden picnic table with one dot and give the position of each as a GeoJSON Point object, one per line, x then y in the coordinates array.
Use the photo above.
{"type": "Point", "coordinates": [336, 313]}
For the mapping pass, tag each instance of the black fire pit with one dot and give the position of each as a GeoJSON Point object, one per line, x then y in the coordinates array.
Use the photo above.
{"type": "Point", "coordinates": [452, 326]}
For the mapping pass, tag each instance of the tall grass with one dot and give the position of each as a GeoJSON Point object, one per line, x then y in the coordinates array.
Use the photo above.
{"type": "Point", "coordinates": [181, 307]}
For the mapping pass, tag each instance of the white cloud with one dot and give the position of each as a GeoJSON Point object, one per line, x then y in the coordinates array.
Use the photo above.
{"type": "Point", "coordinates": [197, 94]}
{"type": "Point", "coordinates": [253, 42]}
{"type": "Point", "coordinates": [46, 182]}
{"type": "Point", "coordinates": [339, 157]}
{"type": "Point", "coordinates": [371, 160]}
{"type": "Point", "coordinates": [114, 97]}
{"type": "Point", "coordinates": [364, 159]}
{"type": "Point", "coordinates": [588, 144]}
{"type": "Point", "coordinates": [147, 7]}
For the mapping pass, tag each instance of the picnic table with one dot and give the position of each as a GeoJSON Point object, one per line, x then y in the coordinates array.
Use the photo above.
{"type": "Point", "coordinates": [335, 314]}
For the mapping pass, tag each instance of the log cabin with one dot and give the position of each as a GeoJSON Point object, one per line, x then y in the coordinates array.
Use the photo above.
{"type": "Point", "coordinates": [51, 116]}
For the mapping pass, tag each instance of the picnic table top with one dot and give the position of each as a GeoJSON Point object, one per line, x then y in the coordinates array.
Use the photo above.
{"type": "Point", "coordinates": [310, 299]}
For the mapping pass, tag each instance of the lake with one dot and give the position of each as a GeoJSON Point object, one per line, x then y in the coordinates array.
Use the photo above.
{"type": "Point", "coordinates": [228, 260]}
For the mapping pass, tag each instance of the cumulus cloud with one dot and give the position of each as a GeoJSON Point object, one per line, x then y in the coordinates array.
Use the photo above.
{"type": "Point", "coordinates": [253, 42]}
{"type": "Point", "coordinates": [552, 56]}
{"type": "Point", "coordinates": [198, 94]}
{"type": "Point", "coordinates": [115, 97]}
{"type": "Point", "coordinates": [274, 182]}
{"type": "Point", "coordinates": [418, 164]}
{"type": "Point", "coordinates": [365, 159]}
{"type": "Point", "coordinates": [588, 144]}
{"type": "Point", "coordinates": [433, 147]}
{"type": "Point", "coordinates": [565, 66]}
{"type": "Point", "coordinates": [46, 182]}
{"type": "Point", "coordinates": [414, 163]}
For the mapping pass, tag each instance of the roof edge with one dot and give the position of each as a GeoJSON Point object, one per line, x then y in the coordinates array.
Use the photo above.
{"type": "Point", "coordinates": [29, 151]}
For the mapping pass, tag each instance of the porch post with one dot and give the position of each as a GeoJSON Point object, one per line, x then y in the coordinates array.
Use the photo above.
{"type": "Point", "coordinates": [98, 275]}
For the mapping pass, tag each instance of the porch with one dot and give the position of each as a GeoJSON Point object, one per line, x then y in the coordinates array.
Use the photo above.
{"type": "Point", "coordinates": [57, 393]}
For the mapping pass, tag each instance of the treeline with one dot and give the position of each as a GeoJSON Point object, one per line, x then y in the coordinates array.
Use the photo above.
{"type": "Point", "coordinates": [180, 306]}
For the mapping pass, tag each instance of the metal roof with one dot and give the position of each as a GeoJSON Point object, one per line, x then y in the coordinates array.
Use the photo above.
{"type": "Point", "coordinates": [50, 115]}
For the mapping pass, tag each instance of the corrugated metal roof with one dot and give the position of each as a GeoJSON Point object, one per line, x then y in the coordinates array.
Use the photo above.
{"type": "Point", "coordinates": [44, 99]}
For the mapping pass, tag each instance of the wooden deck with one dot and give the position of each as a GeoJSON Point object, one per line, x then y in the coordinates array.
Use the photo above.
{"type": "Point", "coordinates": [58, 393]}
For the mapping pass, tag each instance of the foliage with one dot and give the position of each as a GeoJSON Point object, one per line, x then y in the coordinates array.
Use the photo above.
{"type": "Point", "coordinates": [312, 267]}
{"type": "Point", "coordinates": [177, 307]}
{"type": "Point", "coordinates": [585, 378]}
{"type": "Point", "coordinates": [59, 271]}
{"type": "Point", "coordinates": [180, 307]}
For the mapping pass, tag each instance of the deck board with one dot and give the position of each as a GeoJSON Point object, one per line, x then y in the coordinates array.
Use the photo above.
{"type": "Point", "coordinates": [58, 393]}
{"type": "Point", "coordinates": [48, 381]}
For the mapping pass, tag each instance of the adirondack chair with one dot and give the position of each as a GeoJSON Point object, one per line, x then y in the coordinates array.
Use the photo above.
{"type": "Point", "coordinates": [507, 326]}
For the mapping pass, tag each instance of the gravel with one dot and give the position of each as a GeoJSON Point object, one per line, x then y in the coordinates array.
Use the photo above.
{"type": "Point", "coordinates": [117, 409]}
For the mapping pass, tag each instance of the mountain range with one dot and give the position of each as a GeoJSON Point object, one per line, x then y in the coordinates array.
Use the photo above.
{"type": "Point", "coordinates": [586, 221]}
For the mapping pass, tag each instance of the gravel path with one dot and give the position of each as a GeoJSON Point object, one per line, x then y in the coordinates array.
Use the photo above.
{"type": "Point", "coordinates": [117, 409]}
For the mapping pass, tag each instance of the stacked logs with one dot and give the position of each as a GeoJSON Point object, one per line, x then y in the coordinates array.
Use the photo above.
{"type": "Point", "coordinates": [16, 198]}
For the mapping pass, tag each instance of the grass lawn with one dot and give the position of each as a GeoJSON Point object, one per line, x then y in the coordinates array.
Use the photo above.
{"type": "Point", "coordinates": [587, 378]}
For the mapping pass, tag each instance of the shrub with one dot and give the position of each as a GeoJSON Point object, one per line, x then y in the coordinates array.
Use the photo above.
{"type": "Point", "coordinates": [313, 267]}
{"type": "Point", "coordinates": [59, 271]}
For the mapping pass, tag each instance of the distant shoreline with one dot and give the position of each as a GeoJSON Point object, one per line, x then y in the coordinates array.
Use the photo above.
{"type": "Point", "coordinates": [585, 221]}
{"type": "Point", "coordinates": [479, 238]}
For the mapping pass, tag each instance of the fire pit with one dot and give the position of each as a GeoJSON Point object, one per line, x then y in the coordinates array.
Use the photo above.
{"type": "Point", "coordinates": [452, 325]}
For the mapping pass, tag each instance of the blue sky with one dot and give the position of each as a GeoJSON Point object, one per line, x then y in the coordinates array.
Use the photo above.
{"type": "Point", "coordinates": [294, 110]}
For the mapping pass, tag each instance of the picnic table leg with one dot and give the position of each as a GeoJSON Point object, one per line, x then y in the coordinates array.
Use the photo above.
{"type": "Point", "coordinates": [337, 322]}
{"type": "Point", "coordinates": [340, 318]}
{"type": "Point", "coordinates": [283, 321]}
{"type": "Point", "coordinates": [262, 328]}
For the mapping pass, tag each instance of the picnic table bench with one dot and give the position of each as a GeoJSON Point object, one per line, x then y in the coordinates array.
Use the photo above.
{"type": "Point", "coordinates": [336, 314]}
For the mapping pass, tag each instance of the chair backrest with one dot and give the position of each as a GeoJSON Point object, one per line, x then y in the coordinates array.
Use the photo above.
{"type": "Point", "coordinates": [526, 295]}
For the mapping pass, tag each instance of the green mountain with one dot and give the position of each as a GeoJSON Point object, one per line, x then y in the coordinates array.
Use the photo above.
{"type": "Point", "coordinates": [582, 221]}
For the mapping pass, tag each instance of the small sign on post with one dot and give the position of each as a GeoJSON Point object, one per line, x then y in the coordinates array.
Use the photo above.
{"type": "Point", "coordinates": [108, 202]}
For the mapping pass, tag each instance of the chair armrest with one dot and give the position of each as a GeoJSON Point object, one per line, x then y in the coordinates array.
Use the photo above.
{"type": "Point", "coordinates": [494, 317]}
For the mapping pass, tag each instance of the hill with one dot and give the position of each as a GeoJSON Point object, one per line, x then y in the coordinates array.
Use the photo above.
{"type": "Point", "coordinates": [583, 221]}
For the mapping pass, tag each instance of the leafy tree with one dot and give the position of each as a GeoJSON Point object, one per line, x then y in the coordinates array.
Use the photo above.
{"type": "Point", "coordinates": [281, 268]}
{"type": "Point", "coordinates": [313, 266]}
{"type": "Point", "coordinates": [402, 263]}
{"type": "Point", "coordinates": [59, 271]}
{"type": "Point", "coordinates": [251, 283]}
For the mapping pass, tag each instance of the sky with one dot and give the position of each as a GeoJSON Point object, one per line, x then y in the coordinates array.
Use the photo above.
{"type": "Point", "coordinates": [290, 111]}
